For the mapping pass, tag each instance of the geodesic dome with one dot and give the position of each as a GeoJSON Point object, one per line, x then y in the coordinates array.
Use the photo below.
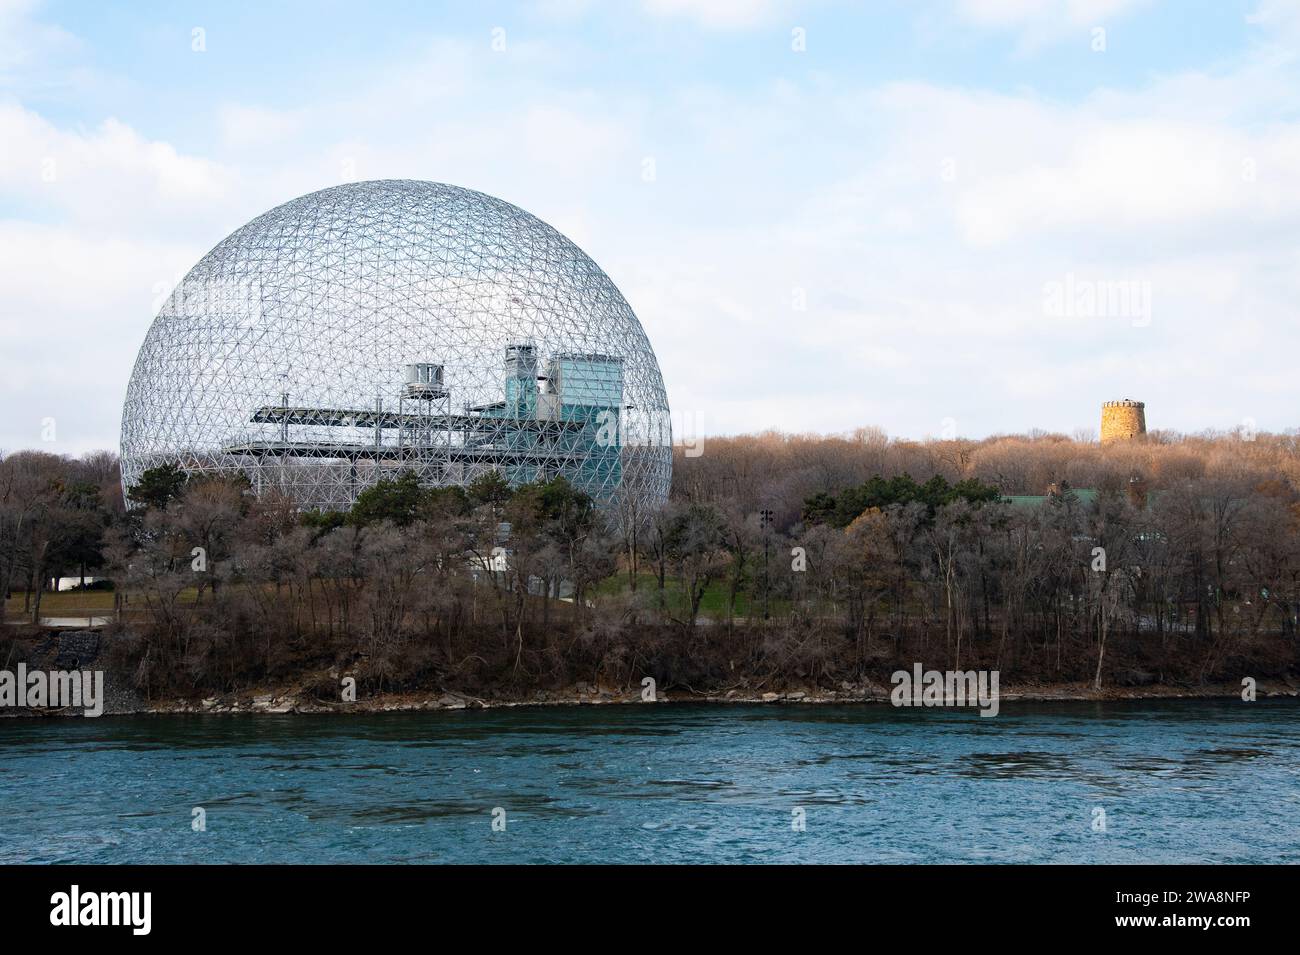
{"type": "Point", "coordinates": [380, 327]}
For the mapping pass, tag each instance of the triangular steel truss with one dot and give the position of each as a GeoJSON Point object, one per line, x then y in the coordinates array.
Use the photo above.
{"type": "Point", "coordinates": [397, 325]}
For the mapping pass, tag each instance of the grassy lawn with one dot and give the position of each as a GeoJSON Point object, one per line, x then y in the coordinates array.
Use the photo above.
{"type": "Point", "coordinates": [712, 604]}
{"type": "Point", "coordinates": [78, 603]}
{"type": "Point", "coordinates": [65, 603]}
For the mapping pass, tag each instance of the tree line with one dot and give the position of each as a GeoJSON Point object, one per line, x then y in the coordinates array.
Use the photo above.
{"type": "Point", "coordinates": [1169, 560]}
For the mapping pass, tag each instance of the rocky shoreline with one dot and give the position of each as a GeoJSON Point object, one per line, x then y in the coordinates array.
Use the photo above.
{"type": "Point", "coordinates": [81, 649]}
{"type": "Point", "coordinates": [286, 701]}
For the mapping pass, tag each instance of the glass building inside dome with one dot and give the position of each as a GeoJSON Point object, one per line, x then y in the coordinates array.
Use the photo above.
{"type": "Point", "coordinates": [380, 327]}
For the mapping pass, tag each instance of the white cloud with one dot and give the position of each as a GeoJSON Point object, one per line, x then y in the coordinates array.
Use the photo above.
{"type": "Point", "coordinates": [1120, 176]}
{"type": "Point", "coordinates": [1019, 12]}
{"type": "Point", "coordinates": [926, 296]}
{"type": "Point", "coordinates": [1038, 23]}
{"type": "Point", "coordinates": [1021, 168]}
{"type": "Point", "coordinates": [1279, 15]}
{"type": "Point", "coordinates": [111, 177]}
{"type": "Point", "coordinates": [25, 41]}
{"type": "Point", "coordinates": [925, 293]}
{"type": "Point", "coordinates": [718, 14]}
{"type": "Point", "coordinates": [76, 308]}
{"type": "Point", "coordinates": [256, 127]}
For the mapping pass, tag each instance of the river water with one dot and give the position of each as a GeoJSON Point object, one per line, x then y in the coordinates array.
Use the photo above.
{"type": "Point", "coordinates": [1177, 781]}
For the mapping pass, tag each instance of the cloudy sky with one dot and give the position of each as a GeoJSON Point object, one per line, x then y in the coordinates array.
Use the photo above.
{"type": "Point", "coordinates": [957, 216]}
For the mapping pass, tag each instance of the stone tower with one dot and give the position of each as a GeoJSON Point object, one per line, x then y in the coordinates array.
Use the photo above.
{"type": "Point", "coordinates": [1123, 420]}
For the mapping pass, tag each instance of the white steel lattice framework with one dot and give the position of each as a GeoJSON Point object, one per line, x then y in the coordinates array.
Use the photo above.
{"type": "Point", "coordinates": [379, 327]}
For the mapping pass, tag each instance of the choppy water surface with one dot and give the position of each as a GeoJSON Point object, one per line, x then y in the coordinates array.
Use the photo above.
{"type": "Point", "coordinates": [1180, 781]}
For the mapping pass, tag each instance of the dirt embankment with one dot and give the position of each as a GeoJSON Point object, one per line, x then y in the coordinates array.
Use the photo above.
{"type": "Point", "coordinates": [292, 699]}
{"type": "Point", "coordinates": [335, 690]}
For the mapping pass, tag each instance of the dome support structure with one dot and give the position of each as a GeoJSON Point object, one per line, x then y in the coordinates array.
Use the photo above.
{"type": "Point", "coordinates": [380, 327]}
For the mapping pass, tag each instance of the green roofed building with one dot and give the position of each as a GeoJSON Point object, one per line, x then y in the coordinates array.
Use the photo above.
{"type": "Point", "coordinates": [1084, 495]}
